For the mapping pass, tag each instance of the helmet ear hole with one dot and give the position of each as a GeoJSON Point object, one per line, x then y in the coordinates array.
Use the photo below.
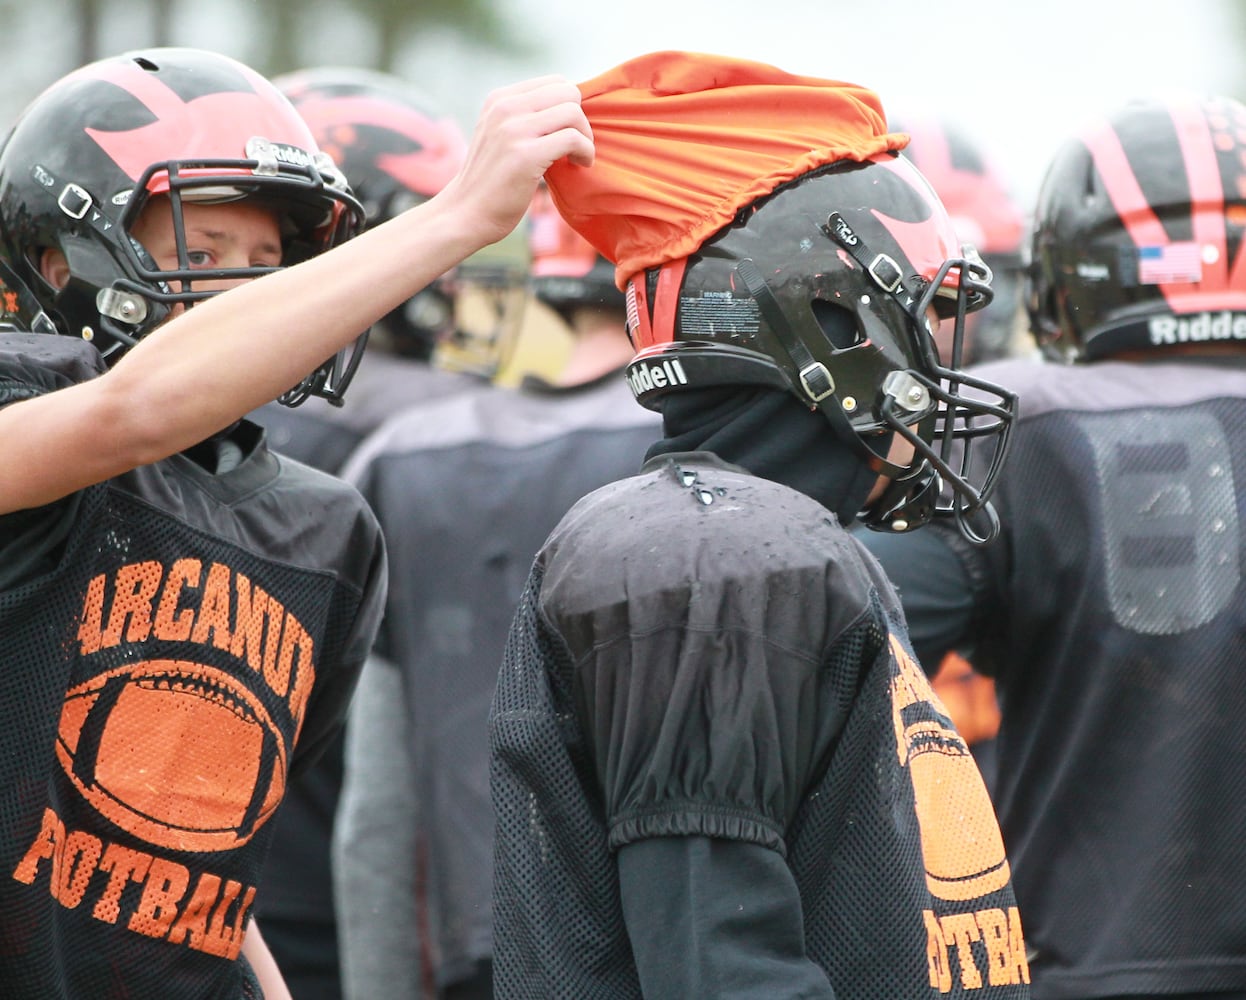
{"type": "Point", "coordinates": [837, 324]}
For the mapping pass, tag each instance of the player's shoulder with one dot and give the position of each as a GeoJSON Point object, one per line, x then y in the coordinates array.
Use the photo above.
{"type": "Point", "coordinates": [1045, 387]}
{"type": "Point", "coordinates": [688, 513]}
{"type": "Point", "coordinates": [502, 419]}
{"type": "Point", "coordinates": [690, 535]}
{"type": "Point", "coordinates": [34, 363]}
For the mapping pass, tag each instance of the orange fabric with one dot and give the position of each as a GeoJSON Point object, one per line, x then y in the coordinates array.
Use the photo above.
{"type": "Point", "coordinates": [685, 139]}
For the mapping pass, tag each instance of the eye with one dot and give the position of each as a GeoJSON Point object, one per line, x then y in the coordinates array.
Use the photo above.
{"type": "Point", "coordinates": [199, 258]}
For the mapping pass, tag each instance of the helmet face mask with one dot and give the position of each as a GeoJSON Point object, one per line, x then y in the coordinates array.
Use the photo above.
{"type": "Point", "coordinates": [1130, 247]}
{"type": "Point", "coordinates": [823, 289]}
{"type": "Point", "coordinates": [94, 150]}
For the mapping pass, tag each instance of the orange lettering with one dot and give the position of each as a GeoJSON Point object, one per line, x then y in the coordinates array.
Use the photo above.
{"type": "Point", "coordinates": [165, 886]}
{"type": "Point", "coordinates": [306, 676]}
{"type": "Point", "coordinates": [294, 641]}
{"type": "Point", "coordinates": [249, 622]}
{"type": "Point", "coordinates": [239, 929]}
{"type": "Point", "coordinates": [214, 936]}
{"type": "Point", "coordinates": [170, 623]}
{"type": "Point", "coordinates": [213, 919]}
{"type": "Point", "coordinates": [962, 929]}
{"type": "Point", "coordinates": [124, 866]}
{"type": "Point", "coordinates": [91, 629]}
{"type": "Point", "coordinates": [275, 614]}
{"type": "Point", "coordinates": [225, 939]}
{"type": "Point", "coordinates": [50, 833]}
{"type": "Point", "coordinates": [194, 918]}
{"type": "Point", "coordinates": [1001, 969]}
{"type": "Point", "coordinates": [81, 855]}
{"type": "Point", "coordinates": [214, 609]}
{"type": "Point", "coordinates": [936, 954]}
{"type": "Point", "coordinates": [1016, 944]}
{"type": "Point", "coordinates": [132, 595]}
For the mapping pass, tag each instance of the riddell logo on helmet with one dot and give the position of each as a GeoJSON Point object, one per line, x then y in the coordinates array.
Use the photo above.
{"type": "Point", "coordinates": [645, 377]}
{"type": "Point", "coordinates": [1196, 329]}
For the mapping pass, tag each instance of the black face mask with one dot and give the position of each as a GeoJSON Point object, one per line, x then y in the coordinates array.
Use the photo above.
{"type": "Point", "coordinates": [772, 435]}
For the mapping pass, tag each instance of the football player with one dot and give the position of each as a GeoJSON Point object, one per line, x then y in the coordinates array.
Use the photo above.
{"type": "Point", "coordinates": [466, 490]}
{"type": "Point", "coordinates": [717, 768]}
{"type": "Point", "coordinates": [184, 612]}
{"type": "Point", "coordinates": [397, 149]}
{"type": "Point", "coordinates": [1109, 608]}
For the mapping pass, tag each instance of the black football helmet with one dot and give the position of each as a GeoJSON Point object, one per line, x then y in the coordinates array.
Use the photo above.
{"type": "Point", "coordinates": [397, 148]}
{"type": "Point", "coordinates": [1138, 233]}
{"type": "Point", "coordinates": [985, 215]}
{"type": "Point", "coordinates": [822, 289]}
{"type": "Point", "coordinates": [566, 271]}
{"type": "Point", "coordinates": [85, 157]}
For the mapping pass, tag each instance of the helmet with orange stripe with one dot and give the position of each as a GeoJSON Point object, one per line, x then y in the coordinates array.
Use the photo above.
{"type": "Point", "coordinates": [184, 125]}
{"type": "Point", "coordinates": [1138, 233]}
{"type": "Point", "coordinates": [397, 148]}
{"type": "Point", "coordinates": [976, 195]}
{"type": "Point", "coordinates": [566, 271]}
{"type": "Point", "coordinates": [825, 288]}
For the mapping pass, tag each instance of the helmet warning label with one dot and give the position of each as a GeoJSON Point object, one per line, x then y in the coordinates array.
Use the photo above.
{"type": "Point", "coordinates": [718, 316]}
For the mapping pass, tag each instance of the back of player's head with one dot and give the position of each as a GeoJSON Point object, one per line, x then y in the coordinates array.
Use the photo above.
{"type": "Point", "coordinates": [1138, 232]}
{"type": "Point", "coordinates": [137, 131]}
{"type": "Point", "coordinates": [566, 271]}
{"type": "Point", "coordinates": [397, 148]}
{"type": "Point", "coordinates": [973, 190]}
{"type": "Point", "coordinates": [769, 235]}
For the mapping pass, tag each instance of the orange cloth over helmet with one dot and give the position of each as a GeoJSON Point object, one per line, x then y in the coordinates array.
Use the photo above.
{"type": "Point", "coordinates": [684, 140]}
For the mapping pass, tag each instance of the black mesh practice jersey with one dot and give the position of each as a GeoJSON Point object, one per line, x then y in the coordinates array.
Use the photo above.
{"type": "Point", "coordinates": [466, 490]}
{"type": "Point", "coordinates": [177, 645]}
{"type": "Point", "coordinates": [1112, 612]}
{"type": "Point", "coordinates": [700, 652]}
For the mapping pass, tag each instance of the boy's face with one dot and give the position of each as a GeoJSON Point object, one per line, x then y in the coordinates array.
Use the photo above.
{"type": "Point", "coordinates": [226, 235]}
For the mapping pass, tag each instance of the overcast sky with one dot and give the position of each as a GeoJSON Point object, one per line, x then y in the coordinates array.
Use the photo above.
{"type": "Point", "coordinates": [1019, 77]}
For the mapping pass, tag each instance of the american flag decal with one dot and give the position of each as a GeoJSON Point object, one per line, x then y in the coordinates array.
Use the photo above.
{"type": "Point", "coordinates": [1170, 263]}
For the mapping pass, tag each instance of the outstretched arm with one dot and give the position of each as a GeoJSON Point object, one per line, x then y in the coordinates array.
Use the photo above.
{"type": "Point", "coordinates": [220, 360]}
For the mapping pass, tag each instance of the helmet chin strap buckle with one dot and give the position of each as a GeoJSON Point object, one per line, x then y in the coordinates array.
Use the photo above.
{"type": "Point", "coordinates": [74, 201]}
{"type": "Point", "coordinates": [886, 273]}
{"type": "Point", "coordinates": [817, 382]}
